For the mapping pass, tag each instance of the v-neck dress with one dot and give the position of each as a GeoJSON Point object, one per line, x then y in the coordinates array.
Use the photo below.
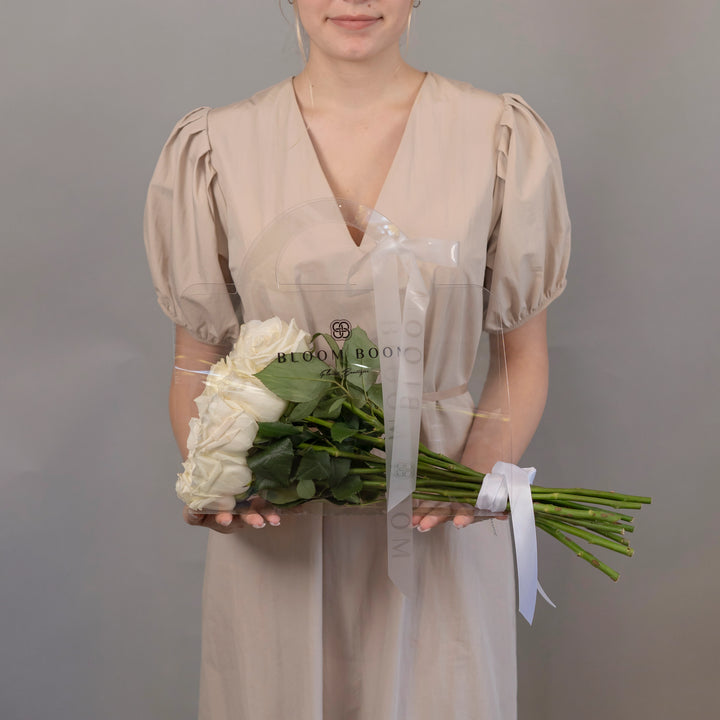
{"type": "Point", "coordinates": [301, 620]}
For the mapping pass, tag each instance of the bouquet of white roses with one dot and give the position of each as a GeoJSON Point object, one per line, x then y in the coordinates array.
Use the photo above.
{"type": "Point", "coordinates": [230, 407]}
{"type": "Point", "coordinates": [276, 420]}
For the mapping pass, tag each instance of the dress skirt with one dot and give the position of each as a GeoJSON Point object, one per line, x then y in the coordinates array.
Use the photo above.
{"type": "Point", "coordinates": [301, 621]}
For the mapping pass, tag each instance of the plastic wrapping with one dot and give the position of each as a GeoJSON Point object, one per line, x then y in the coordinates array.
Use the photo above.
{"type": "Point", "coordinates": [402, 312]}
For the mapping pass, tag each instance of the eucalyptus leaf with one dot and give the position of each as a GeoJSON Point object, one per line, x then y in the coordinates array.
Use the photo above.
{"type": "Point", "coordinates": [272, 465]}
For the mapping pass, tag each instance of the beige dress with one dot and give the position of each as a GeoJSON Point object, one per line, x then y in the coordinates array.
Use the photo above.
{"type": "Point", "coordinates": [301, 621]}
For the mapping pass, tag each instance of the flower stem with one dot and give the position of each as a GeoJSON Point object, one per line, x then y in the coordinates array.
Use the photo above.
{"type": "Point", "coordinates": [591, 538]}
{"type": "Point", "coordinates": [363, 416]}
{"type": "Point", "coordinates": [584, 554]}
{"type": "Point", "coordinates": [600, 494]}
{"type": "Point", "coordinates": [543, 495]}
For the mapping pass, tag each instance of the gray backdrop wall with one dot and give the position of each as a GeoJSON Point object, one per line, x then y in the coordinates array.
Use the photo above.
{"type": "Point", "coordinates": [100, 580]}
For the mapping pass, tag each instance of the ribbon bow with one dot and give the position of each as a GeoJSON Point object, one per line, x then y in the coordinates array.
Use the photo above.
{"type": "Point", "coordinates": [508, 480]}
{"type": "Point", "coordinates": [401, 339]}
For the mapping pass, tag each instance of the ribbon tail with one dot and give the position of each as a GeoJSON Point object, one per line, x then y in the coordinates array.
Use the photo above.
{"type": "Point", "coordinates": [545, 595]}
{"type": "Point", "coordinates": [523, 525]}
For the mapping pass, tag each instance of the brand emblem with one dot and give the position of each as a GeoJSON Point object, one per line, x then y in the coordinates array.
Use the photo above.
{"type": "Point", "coordinates": [340, 329]}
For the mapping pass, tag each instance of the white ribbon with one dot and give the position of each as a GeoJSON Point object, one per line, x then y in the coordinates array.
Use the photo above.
{"type": "Point", "coordinates": [401, 338]}
{"type": "Point", "coordinates": [508, 480]}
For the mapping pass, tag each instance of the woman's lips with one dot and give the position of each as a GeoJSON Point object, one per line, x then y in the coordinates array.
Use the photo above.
{"type": "Point", "coordinates": [354, 22]}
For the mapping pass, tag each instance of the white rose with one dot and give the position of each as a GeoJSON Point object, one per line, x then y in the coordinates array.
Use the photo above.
{"type": "Point", "coordinates": [251, 396]}
{"type": "Point", "coordinates": [216, 469]}
{"type": "Point", "coordinates": [222, 426]}
{"type": "Point", "coordinates": [260, 342]}
{"type": "Point", "coordinates": [211, 482]}
{"type": "Point", "coordinates": [229, 408]}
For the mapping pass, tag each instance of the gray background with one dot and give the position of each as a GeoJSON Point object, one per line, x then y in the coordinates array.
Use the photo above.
{"type": "Point", "coordinates": [100, 580]}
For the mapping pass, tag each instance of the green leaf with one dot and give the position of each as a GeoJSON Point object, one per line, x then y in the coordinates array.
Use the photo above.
{"type": "Point", "coordinates": [306, 489]}
{"type": "Point", "coordinates": [361, 369]}
{"type": "Point", "coordinates": [302, 410]}
{"type": "Point", "coordinates": [272, 465]}
{"type": "Point", "coordinates": [350, 419]}
{"type": "Point", "coordinates": [375, 395]}
{"type": "Point", "coordinates": [313, 466]}
{"type": "Point", "coordinates": [335, 348]}
{"type": "Point", "coordinates": [282, 496]}
{"type": "Point", "coordinates": [297, 379]}
{"type": "Point", "coordinates": [329, 407]}
{"type": "Point", "coordinates": [339, 468]}
{"type": "Point", "coordinates": [340, 431]}
{"type": "Point", "coordinates": [276, 430]}
{"type": "Point", "coordinates": [348, 487]}
{"type": "Point", "coordinates": [357, 396]}
{"type": "Point", "coordinates": [304, 436]}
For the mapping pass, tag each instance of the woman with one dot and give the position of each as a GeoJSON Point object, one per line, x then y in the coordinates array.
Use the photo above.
{"type": "Point", "coordinates": [300, 619]}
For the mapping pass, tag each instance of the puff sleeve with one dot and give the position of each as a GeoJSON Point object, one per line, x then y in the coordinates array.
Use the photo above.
{"type": "Point", "coordinates": [185, 236]}
{"type": "Point", "coordinates": [529, 247]}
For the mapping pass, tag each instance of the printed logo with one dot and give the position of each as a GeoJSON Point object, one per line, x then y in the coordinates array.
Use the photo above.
{"type": "Point", "coordinates": [340, 329]}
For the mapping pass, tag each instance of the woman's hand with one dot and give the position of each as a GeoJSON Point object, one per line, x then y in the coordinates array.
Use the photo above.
{"type": "Point", "coordinates": [256, 514]}
{"type": "Point", "coordinates": [427, 514]}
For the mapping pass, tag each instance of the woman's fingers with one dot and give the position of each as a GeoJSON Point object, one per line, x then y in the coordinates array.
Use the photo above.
{"type": "Point", "coordinates": [223, 522]}
{"type": "Point", "coordinates": [464, 515]}
{"type": "Point", "coordinates": [269, 512]}
{"type": "Point", "coordinates": [257, 514]}
{"type": "Point", "coordinates": [428, 514]}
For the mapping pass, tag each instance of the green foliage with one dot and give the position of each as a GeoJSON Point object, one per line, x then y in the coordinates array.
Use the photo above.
{"type": "Point", "coordinates": [272, 464]}
{"type": "Point", "coordinates": [340, 431]}
{"type": "Point", "coordinates": [339, 469]}
{"type": "Point", "coordinates": [330, 406]}
{"type": "Point", "coordinates": [350, 486]}
{"type": "Point", "coordinates": [271, 430]}
{"type": "Point", "coordinates": [313, 466]}
{"type": "Point", "coordinates": [306, 489]}
{"type": "Point", "coordinates": [361, 369]}
{"type": "Point", "coordinates": [329, 421]}
{"type": "Point", "coordinates": [302, 381]}
{"type": "Point", "coordinates": [375, 395]}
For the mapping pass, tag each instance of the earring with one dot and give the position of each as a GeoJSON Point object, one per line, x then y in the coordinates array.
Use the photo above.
{"type": "Point", "coordinates": [415, 4]}
{"type": "Point", "coordinates": [298, 33]}
{"type": "Point", "coordinates": [407, 29]}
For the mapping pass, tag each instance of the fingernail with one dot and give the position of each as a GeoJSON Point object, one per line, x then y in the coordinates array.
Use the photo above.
{"type": "Point", "coordinates": [274, 524]}
{"type": "Point", "coordinates": [423, 529]}
{"type": "Point", "coordinates": [258, 527]}
{"type": "Point", "coordinates": [225, 522]}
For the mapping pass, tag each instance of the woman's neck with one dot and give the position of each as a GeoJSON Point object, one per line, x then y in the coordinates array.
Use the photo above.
{"type": "Point", "coordinates": [337, 86]}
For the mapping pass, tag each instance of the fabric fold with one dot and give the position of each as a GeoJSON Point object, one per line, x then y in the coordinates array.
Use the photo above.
{"type": "Point", "coordinates": [185, 235]}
